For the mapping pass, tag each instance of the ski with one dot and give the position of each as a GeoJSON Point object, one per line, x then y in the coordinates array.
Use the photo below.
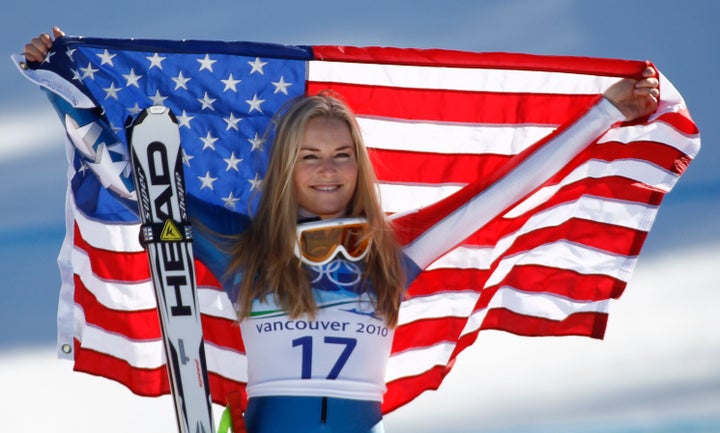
{"type": "Point", "coordinates": [166, 234]}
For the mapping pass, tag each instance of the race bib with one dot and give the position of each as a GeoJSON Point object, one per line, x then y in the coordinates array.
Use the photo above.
{"type": "Point", "coordinates": [342, 352]}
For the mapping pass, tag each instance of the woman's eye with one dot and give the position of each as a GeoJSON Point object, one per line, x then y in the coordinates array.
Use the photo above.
{"type": "Point", "coordinates": [309, 157]}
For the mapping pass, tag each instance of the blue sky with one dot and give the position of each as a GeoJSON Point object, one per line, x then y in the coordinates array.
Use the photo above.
{"type": "Point", "coordinates": [679, 37]}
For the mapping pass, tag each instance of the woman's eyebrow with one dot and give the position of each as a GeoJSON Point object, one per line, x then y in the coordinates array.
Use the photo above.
{"type": "Point", "coordinates": [315, 149]}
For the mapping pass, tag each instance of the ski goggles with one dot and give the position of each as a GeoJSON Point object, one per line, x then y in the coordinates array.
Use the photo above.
{"type": "Point", "coordinates": [319, 242]}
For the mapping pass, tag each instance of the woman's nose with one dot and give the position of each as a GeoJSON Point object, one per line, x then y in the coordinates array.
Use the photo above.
{"type": "Point", "coordinates": [328, 165]}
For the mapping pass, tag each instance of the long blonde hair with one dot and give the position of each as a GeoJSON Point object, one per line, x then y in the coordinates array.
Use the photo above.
{"type": "Point", "coordinates": [264, 254]}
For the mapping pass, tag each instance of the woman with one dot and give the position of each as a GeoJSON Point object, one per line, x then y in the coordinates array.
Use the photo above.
{"type": "Point", "coordinates": [317, 322]}
{"type": "Point", "coordinates": [319, 275]}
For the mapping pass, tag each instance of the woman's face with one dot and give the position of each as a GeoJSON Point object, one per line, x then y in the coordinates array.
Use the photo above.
{"type": "Point", "coordinates": [326, 171]}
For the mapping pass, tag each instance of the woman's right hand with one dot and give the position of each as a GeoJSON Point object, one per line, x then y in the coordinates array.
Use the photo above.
{"type": "Point", "coordinates": [37, 49]}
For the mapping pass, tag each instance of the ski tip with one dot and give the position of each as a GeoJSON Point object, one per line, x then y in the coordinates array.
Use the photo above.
{"type": "Point", "coordinates": [158, 109]}
{"type": "Point", "coordinates": [154, 111]}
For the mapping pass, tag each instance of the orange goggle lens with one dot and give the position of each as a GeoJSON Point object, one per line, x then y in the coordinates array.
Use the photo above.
{"type": "Point", "coordinates": [319, 242]}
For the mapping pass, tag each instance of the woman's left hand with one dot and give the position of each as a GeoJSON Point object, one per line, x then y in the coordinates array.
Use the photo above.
{"type": "Point", "coordinates": [635, 98]}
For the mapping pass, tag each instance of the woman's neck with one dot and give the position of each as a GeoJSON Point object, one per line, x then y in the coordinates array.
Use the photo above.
{"type": "Point", "coordinates": [305, 214]}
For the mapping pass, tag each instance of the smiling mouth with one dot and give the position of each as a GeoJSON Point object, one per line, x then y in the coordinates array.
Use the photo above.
{"type": "Point", "coordinates": [326, 188]}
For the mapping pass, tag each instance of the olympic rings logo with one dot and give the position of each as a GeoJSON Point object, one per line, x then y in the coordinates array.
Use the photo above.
{"type": "Point", "coordinates": [342, 273]}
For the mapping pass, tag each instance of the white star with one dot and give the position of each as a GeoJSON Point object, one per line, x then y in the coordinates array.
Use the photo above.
{"type": "Point", "coordinates": [257, 66]}
{"type": "Point", "coordinates": [83, 136]}
{"type": "Point", "coordinates": [135, 109]}
{"type": "Point", "coordinates": [88, 72]}
{"type": "Point", "coordinates": [281, 86]}
{"type": "Point", "coordinates": [109, 171]}
{"type": "Point", "coordinates": [76, 75]}
{"type": "Point", "coordinates": [207, 181]}
{"type": "Point", "coordinates": [232, 122]}
{"type": "Point", "coordinates": [132, 79]}
{"type": "Point", "coordinates": [206, 102]}
{"type": "Point", "coordinates": [230, 84]}
{"type": "Point", "coordinates": [186, 158]}
{"type": "Point", "coordinates": [156, 61]}
{"type": "Point", "coordinates": [232, 162]}
{"type": "Point", "coordinates": [180, 81]}
{"type": "Point", "coordinates": [158, 99]}
{"type": "Point", "coordinates": [257, 142]}
{"type": "Point", "coordinates": [255, 103]}
{"type": "Point", "coordinates": [112, 91]}
{"type": "Point", "coordinates": [106, 58]}
{"type": "Point", "coordinates": [206, 63]}
{"type": "Point", "coordinates": [255, 183]}
{"type": "Point", "coordinates": [230, 200]}
{"type": "Point", "coordinates": [83, 168]}
{"type": "Point", "coordinates": [209, 141]}
{"type": "Point", "coordinates": [69, 52]}
{"type": "Point", "coordinates": [184, 119]}
{"type": "Point", "coordinates": [47, 58]}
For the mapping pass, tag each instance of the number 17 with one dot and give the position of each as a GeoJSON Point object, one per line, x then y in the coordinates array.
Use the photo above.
{"type": "Point", "coordinates": [307, 348]}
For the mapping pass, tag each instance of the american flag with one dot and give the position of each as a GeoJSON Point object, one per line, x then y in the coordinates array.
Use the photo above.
{"type": "Point", "coordinates": [434, 121]}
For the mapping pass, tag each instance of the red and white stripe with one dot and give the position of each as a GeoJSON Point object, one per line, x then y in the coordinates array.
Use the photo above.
{"type": "Point", "coordinates": [550, 263]}
{"type": "Point", "coordinates": [116, 330]}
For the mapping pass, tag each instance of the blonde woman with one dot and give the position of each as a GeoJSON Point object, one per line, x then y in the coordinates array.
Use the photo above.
{"type": "Point", "coordinates": [320, 279]}
{"type": "Point", "coordinates": [318, 276]}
